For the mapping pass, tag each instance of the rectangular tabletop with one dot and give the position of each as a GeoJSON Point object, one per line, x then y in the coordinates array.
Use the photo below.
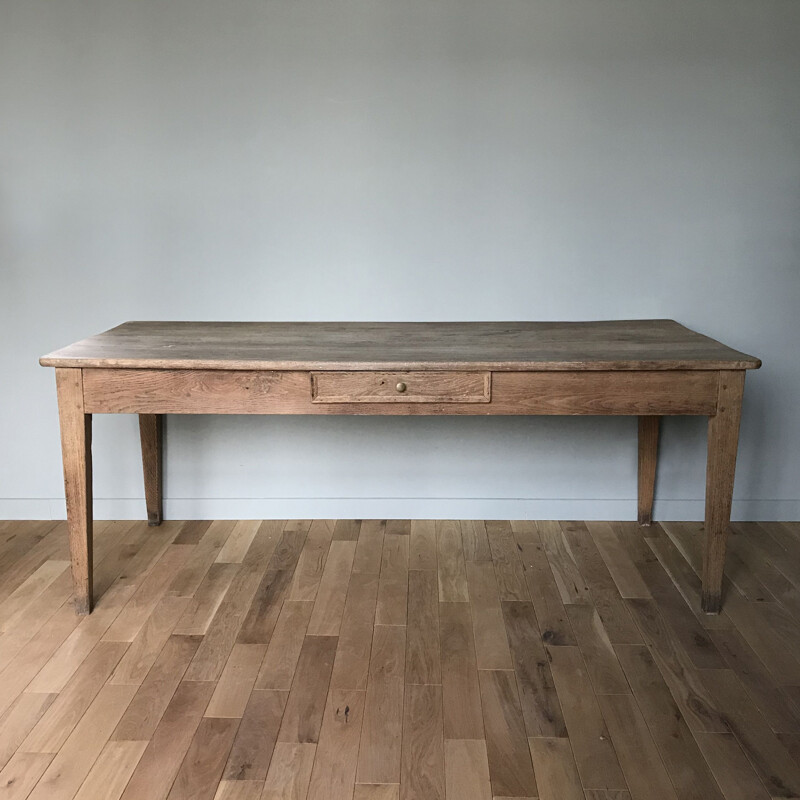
{"type": "Point", "coordinates": [503, 346]}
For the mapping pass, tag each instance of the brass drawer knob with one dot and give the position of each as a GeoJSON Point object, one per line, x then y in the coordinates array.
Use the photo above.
{"type": "Point", "coordinates": [401, 387]}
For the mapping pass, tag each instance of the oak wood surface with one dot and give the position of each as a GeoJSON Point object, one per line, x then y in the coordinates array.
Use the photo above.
{"type": "Point", "coordinates": [699, 715]}
{"type": "Point", "coordinates": [371, 386]}
{"type": "Point", "coordinates": [76, 448]}
{"type": "Point", "coordinates": [151, 435]}
{"type": "Point", "coordinates": [155, 391]}
{"type": "Point", "coordinates": [648, 458]}
{"type": "Point", "coordinates": [611, 344]}
{"type": "Point", "coordinates": [723, 441]}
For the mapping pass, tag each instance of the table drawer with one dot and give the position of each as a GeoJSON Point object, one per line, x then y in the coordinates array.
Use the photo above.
{"type": "Point", "coordinates": [401, 387]}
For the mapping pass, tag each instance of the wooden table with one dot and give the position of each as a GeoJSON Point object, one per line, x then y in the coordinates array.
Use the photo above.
{"type": "Point", "coordinates": [646, 368]}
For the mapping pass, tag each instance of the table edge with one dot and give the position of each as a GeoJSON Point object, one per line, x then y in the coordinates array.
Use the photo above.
{"type": "Point", "coordinates": [747, 362]}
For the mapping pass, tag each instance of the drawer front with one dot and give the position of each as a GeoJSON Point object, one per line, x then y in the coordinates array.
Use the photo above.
{"type": "Point", "coordinates": [401, 387]}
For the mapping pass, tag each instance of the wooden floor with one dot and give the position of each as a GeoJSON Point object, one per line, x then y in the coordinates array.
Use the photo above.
{"type": "Point", "coordinates": [396, 660]}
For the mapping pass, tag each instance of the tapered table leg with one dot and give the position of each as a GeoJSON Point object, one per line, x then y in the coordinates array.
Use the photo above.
{"type": "Point", "coordinates": [76, 450]}
{"type": "Point", "coordinates": [723, 442]}
{"type": "Point", "coordinates": [151, 434]}
{"type": "Point", "coordinates": [648, 457]}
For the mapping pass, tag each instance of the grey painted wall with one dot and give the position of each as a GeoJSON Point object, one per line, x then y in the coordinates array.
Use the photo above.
{"type": "Point", "coordinates": [374, 159]}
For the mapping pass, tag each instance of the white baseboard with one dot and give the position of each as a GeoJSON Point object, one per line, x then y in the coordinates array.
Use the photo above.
{"type": "Point", "coordinates": [397, 508]}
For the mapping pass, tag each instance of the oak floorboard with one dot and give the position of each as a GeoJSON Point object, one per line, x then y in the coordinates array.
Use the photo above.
{"type": "Point", "coordinates": [571, 584]}
{"type": "Point", "coordinates": [466, 769]}
{"type": "Point", "coordinates": [144, 649]}
{"type": "Point", "coordinates": [35, 654]}
{"type": "Point", "coordinates": [191, 575]}
{"type": "Point", "coordinates": [595, 756]}
{"type": "Point", "coordinates": [382, 730]}
{"type": "Point", "coordinates": [461, 695]}
{"type": "Point", "coordinates": [311, 561]}
{"type": "Point", "coordinates": [422, 774]}
{"type": "Point", "coordinates": [206, 600]}
{"type": "Point", "coordinates": [54, 674]}
{"type": "Point", "coordinates": [450, 550]}
{"type": "Point", "coordinates": [326, 618]}
{"type": "Point", "coordinates": [619, 564]}
{"type": "Point", "coordinates": [142, 716]}
{"type": "Point", "coordinates": [153, 776]}
{"type": "Point", "coordinates": [290, 772]}
{"type": "Point", "coordinates": [491, 642]}
{"type": "Point", "coordinates": [236, 682]}
{"type": "Point", "coordinates": [21, 774]}
{"type": "Point", "coordinates": [772, 701]}
{"type": "Point", "coordinates": [202, 766]}
{"type": "Point", "coordinates": [138, 610]}
{"type": "Point", "coordinates": [370, 546]}
{"type": "Point", "coordinates": [346, 530]}
{"type": "Point", "coordinates": [262, 615]}
{"type": "Point", "coordinates": [351, 666]}
{"type": "Point", "coordinates": [202, 673]}
{"type": "Point", "coordinates": [192, 531]}
{"type": "Point", "coordinates": [641, 764]}
{"type": "Point", "coordinates": [606, 599]}
{"type": "Point", "coordinates": [306, 703]}
{"type": "Point", "coordinates": [598, 652]}
{"type": "Point", "coordinates": [394, 556]}
{"type": "Point", "coordinates": [556, 773]}
{"type": "Point", "coordinates": [239, 790]}
{"type": "Point", "coordinates": [239, 541]}
{"type": "Point", "coordinates": [510, 766]}
{"type": "Point", "coordinates": [280, 662]}
{"type": "Point", "coordinates": [111, 772]}
{"type": "Point", "coordinates": [377, 791]}
{"type": "Point", "coordinates": [256, 736]}
{"type": "Point", "coordinates": [422, 545]}
{"type": "Point", "coordinates": [686, 581]}
{"type": "Point", "coordinates": [734, 773]}
{"type": "Point", "coordinates": [71, 765]}
{"type": "Point", "coordinates": [56, 724]}
{"type": "Point", "coordinates": [696, 704]}
{"type": "Point", "coordinates": [554, 623]}
{"type": "Point", "coordinates": [541, 707]}
{"type": "Point", "coordinates": [475, 541]}
{"type": "Point", "coordinates": [219, 639]}
{"type": "Point", "coordinates": [22, 597]}
{"type": "Point", "coordinates": [507, 564]}
{"type": "Point", "coordinates": [684, 763]}
{"type": "Point", "coordinates": [423, 663]}
{"type": "Point", "coordinates": [18, 721]}
{"type": "Point", "coordinates": [393, 586]}
{"type": "Point", "coordinates": [772, 762]}
{"type": "Point", "coordinates": [334, 772]}
{"type": "Point", "coordinates": [27, 624]}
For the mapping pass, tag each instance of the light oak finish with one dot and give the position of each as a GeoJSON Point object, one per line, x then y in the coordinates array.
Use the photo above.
{"type": "Point", "coordinates": [723, 441]}
{"type": "Point", "coordinates": [643, 368]}
{"type": "Point", "coordinates": [382, 732]}
{"type": "Point", "coordinates": [466, 768]}
{"type": "Point", "coordinates": [640, 344]}
{"type": "Point", "coordinates": [401, 386]}
{"type": "Point", "coordinates": [156, 391]}
{"type": "Point", "coordinates": [76, 446]}
{"type": "Point", "coordinates": [648, 457]}
{"type": "Point", "coordinates": [104, 706]}
{"type": "Point", "coordinates": [556, 772]}
{"type": "Point", "coordinates": [256, 739]}
{"type": "Point", "coordinates": [151, 433]}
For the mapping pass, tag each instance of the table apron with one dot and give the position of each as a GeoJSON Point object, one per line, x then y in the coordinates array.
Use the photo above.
{"type": "Point", "coordinates": [190, 391]}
